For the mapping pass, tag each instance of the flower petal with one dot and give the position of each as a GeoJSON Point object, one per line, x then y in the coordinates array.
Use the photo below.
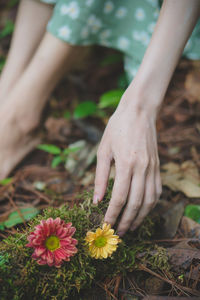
{"type": "Point", "coordinates": [50, 230]}
{"type": "Point", "coordinates": [39, 250]}
{"type": "Point", "coordinates": [103, 242]}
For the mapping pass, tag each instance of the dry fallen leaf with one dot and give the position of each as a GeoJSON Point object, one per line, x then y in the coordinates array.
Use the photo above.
{"type": "Point", "coordinates": [78, 162]}
{"type": "Point", "coordinates": [182, 254]}
{"type": "Point", "coordinates": [57, 129]}
{"type": "Point", "coordinates": [184, 178]}
{"type": "Point", "coordinates": [190, 228]}
{"type": "Point", "coordinates": [172, 218]}
{"type": "Point", "coordinates": [192, 85]}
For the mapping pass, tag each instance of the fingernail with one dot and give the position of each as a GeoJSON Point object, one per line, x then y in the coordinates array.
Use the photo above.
{"type": "Point", "coordinates": [95, 199]}
{"type": "Point", "coordinates": [120, 233]}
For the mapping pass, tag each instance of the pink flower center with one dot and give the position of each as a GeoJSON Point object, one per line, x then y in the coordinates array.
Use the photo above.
{"type": "Point", "coordinates": [52, 243]}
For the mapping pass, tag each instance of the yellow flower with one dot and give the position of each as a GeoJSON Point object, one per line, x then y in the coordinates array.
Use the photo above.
{"type": "Point", "coordinates": [103, 242]}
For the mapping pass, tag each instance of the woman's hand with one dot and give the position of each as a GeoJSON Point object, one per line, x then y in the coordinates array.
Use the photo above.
{"type": "Point", "coordinates": [129, 139]}
{"type": "Point", "coordinates": [130, 136]}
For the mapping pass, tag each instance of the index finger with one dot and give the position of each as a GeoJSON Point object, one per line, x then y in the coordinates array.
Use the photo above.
{"type": "Point", "coordinates": [119, 195]}
{"type": "Point", "coordinates": [101, 177]}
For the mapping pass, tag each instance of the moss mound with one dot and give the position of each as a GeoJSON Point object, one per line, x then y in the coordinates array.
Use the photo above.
{"type": "Point", "coordinates": [22, 278]}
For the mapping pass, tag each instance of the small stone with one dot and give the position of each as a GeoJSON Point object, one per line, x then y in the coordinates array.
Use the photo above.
{"type": "Point", "coordinates": [154, 285]}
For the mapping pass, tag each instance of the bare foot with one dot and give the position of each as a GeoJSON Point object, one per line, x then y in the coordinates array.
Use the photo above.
{"type": "Point", "coordinates": [16, 138]}
{"type": "Point", "coordinates": [20, 112]}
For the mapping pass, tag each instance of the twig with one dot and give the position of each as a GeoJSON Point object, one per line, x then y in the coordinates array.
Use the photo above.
{"type": "Point", "coordinates": [130, 293]}
{"type": "Point", "coordinates": [42, 196]}
{"type": "Point", "coordinates": [180, 287]}
{"type": "Point", "coordinates": [138, 290]}
{"type": "Point", "coordinates": [103, 286]}
{"type": "Point", "coordinates": [172, 241]}
{"type": "Point", "coordinates": [17, 208]}
{"type": "Point", "coordinates": [3, 235]}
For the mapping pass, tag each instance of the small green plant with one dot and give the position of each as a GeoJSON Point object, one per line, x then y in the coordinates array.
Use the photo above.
{"type": "Point", "coordinates": [2, 63]}
{"type": "Point", "coordinates": [85, 109]}
{"type": "Point", "coordinates": [192, 211]}
{"type": "Point", "coordinates": [112, 59]}
{"type": "Point", "coordinates": [7, 30]}
{"type": "Point", "coordinates": [111, 98]}
{"type": "Point", "coordinates": [181, 278]}
{"type": "Point", "coordinates": [60, 156]}
{"type": "Point", "coordinates": [122, 81]}
{"type": "Point", "coordinates": [67, 114]}
{"type": "Point", "coordinates": [12, 3]}
{"type": "Point", "coordinates": [5, 181]}
{"type": "Point", "coordinates": [14, 218]}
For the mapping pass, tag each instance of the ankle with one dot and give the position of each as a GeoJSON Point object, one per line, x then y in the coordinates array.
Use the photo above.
{"type": "Point", "coordinates": [27, 122]}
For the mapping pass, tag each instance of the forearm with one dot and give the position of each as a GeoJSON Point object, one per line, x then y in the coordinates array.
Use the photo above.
{"type": "Point", "coordinates": [175, 24]}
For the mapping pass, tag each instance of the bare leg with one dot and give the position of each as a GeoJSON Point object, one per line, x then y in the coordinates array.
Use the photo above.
{"type": "Point", "coordinates": [21, 112]}
{"type": "Point", "coordinates": [30, 27]}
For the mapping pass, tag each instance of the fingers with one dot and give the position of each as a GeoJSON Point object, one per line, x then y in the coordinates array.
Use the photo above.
{"type": "Point", "coordinates": [134, 202]}
{"type": "Point", "coordinates": [151, 196]}
{"type": "Point", "coordinates": [158, 183]}
{"type": "Point", "coordinates": [102, 175]}
{"type": "Point", "coordinates": [119, 193]}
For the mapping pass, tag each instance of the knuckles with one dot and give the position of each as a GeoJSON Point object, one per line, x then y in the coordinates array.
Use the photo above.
{"type": "Point", "coordinates": [135, 207]}
{"type": "Point", "coordinates": [159, 192]}
{"type": "Point", "coordinates": [150, 204]}
{"type": "Point", "coordinates": [117, 203]}
{"type": "Point", "coordinates": [143, 162]}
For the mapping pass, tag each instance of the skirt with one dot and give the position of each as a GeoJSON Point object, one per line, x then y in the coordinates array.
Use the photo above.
{"type": "Point", "coordinates": [125, 25]}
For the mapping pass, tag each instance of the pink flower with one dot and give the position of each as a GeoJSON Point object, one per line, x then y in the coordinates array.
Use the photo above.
{"type": "Point", "coordinates": [53, 242]}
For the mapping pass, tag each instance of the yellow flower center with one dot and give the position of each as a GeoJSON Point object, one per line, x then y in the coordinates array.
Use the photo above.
{"type": "Point", "coordinates": [100, 241]}
{"type": "Point", "coordinates": [52, 243]}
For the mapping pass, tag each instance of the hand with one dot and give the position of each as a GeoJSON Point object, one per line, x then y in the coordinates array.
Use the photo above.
{"type": "Point", "coordinates": [129, 139]}
{"type": "Point", "coordinates": [130, 136]}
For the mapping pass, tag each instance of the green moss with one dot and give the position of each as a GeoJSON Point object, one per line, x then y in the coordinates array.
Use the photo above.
{"type": "Point", "coordinates": [158, 259]}
{"type": "Point", "coordinates": [22, 278]}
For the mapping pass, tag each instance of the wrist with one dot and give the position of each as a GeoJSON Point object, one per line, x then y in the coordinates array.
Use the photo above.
{"type": "Point", "coordinates": [142, 96]}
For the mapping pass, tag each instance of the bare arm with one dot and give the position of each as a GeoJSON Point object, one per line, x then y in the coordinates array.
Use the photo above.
{"type": "Point", "coordinates": [174, 27]}
{"type": "Point", "coordinates": [130, 136]}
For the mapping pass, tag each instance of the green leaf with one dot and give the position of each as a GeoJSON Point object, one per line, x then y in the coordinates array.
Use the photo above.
{"type": "Point", "coordinates": [67, 114]}
{"type": "Point", "coordinates": [85, 109]}
{"type": "Point", "coordinates": [2, 226]}
{"type": "Point", "coordinates": [2, 63]}
{"type": "Point", "coordinates": [111, 98]}
{"type": "Point", "coordinates": [7, 30]}
{"type": "Point", "coordinates": [192, 211]}
{"type": "Point", "coordinates": [49, 148]}
{"type": "Point", "coordinates": [12, 3]}
{"type": "Point", "coordinates": [100, 113]}
{"type": "Point", "coordinates": [14, 218]}
{"type": "Point", "coordinates": [56, 161]}
{"type": "Point", "coordinates": [3, 259]}
{"type": "Point", "coordinates": [112, 59]}
{"type": "Point", "coordinates": [70, 150]}
{"type": "Point", "coordinates": [5, 181]}
{"type": "Point", "coordinates": [122, 81]}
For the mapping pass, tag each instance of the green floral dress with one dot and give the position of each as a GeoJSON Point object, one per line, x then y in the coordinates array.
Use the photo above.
{"type": "Point", "coordinates": [126, 25]}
